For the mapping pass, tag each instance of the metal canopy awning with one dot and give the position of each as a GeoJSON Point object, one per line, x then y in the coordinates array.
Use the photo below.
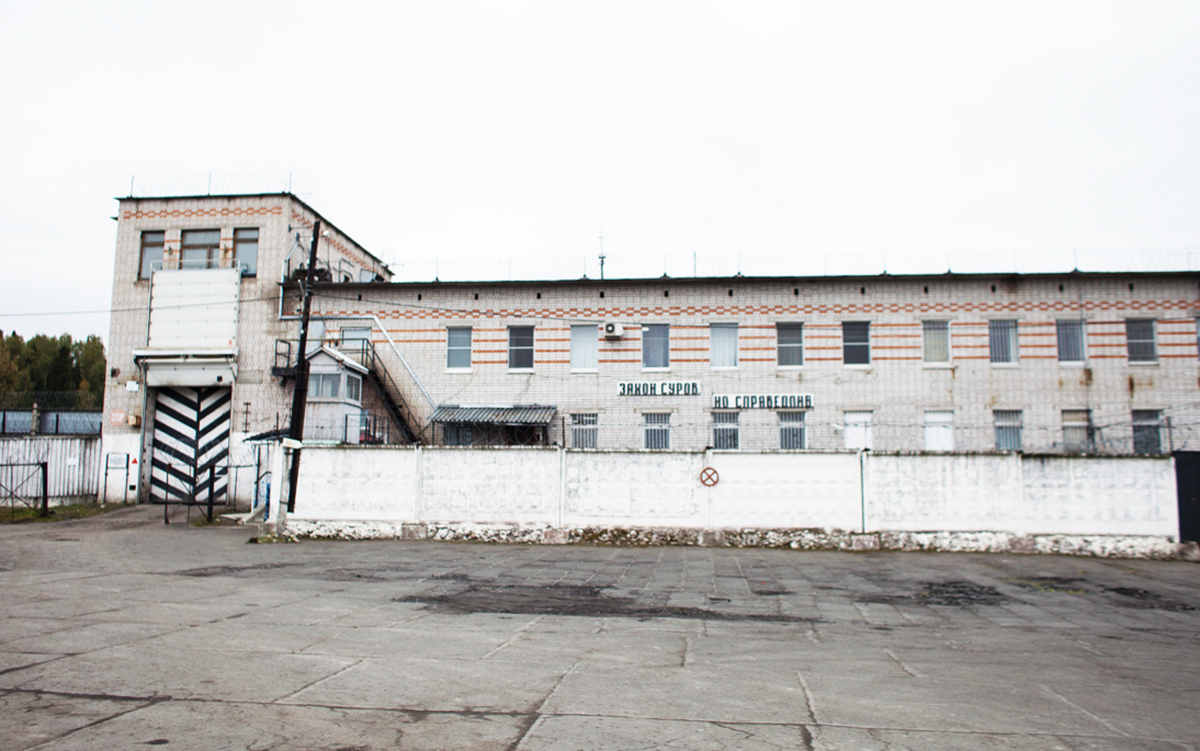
{"type": "Point", "coordinates": [530, 414]}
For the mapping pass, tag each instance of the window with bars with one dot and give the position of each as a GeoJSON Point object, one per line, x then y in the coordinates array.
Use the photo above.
{"type": "Point", "coordinates": [791, 430]}
{"type": "Point", "coordinates": [458, 348]}
{"type": "Point", "coordinates": [1078, 433]}
{"type": "Point", "coordinates": [1139, 339]}
{"type": "Point", "coordinates": [1007, 424]}
{"type": "Point", "coordinates": [723, 344]}
{"type": "Point", "coordinates": [520, 348]}
{"type": "Point", "coordinates": [1147, 433]}
{"type": "Point", "coordinates": [1002, 342]}
{"type": "Point", "coordinates": [725, 430]}
{"type": "Point", "coordinates": [856, 342]}
{"type": "Point", "coordinates": [584, 430]}
{"type": "Point", "coordinates": [200, 249]}
{"type": "Point", "coordinates": [245, 250]}
{"type": "Point", "coordinates": [658, 430]}
{"type": "Point", "coordinates": [1071, 341]}
{"type": "Point", "coordinates": [152, 252]}
{"type": "Point", "coordinates": [585, 344]}
{"type": "Point", "coordinates": [789, 348]}
{"type": "Point", "coordinates": [937, 341]}
{"type": "Point", "coordinates": [656, 345]}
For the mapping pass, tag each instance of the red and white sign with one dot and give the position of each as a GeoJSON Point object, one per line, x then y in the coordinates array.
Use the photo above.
{"type": "Point", "coordinates": [117, 417]}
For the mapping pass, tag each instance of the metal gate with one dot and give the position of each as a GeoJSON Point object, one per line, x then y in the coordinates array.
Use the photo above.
{"type": "Point", "coordinates": [1187, 488]}
{"type": "Point", "coordinates": [190, 447]}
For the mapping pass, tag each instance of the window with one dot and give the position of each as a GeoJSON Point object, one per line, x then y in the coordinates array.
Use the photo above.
{"type": "Point", "coordinates": [520, 348]}
{"type": "Point", "coordinates": [725, 430]}
{"type": "Point", "coordinates": [1002, 341]}
{"type": "Point", "coordinates": [245, 250]}
{"type": "Point", "coordinates": [354, 335]}
{"type": "Point", "coordinates": [324, 385]}
{"type": "Point", "coordinates": [939, 430]}
{"type": "Point", "coordinates": [1008, 429]}
{"type": "Point", "coordinates": [791, 430]}
{"type": "Point", "coordinates": [584, 430]}
{"type": "Point", "coordinates": [658, 430]}
{"type": "Point", "coordinates": [1070, 341]}
{"type": "Point", "coordinates": [656, 348]}
{"type": "Point", "coordinates": [584, 347]}
{"type": "Point", "coordinates": [1078, 433]}
{"type": "Point", "coordinates": [856, 342]}
{"type": "Point", "coordinates": [937, 341]}
{"type": "Point", "coordinates": [1146, 431]}
{"type": "Point", "coordinates": [1139, 337]}
{"type": "Point", "coordinates": [152, 252]}
{"type": "Point", "coordinates": [857, 430]}
{"type": "Point", "coordinates": [353, 388]}
{"type": "Point", "coordinates": [200, 249]}
{"type": "Point", "coordinates": [723, 342]}
{"type": "Point", "coordinates": [458, 348]}
{"type": "Point", "coordinates": [789, 338]}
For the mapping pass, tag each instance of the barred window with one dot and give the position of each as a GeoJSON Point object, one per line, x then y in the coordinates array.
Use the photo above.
{"type": "Point", "coordinates": [1147, 433]}
{"type": "Point", "coordinates": [520, 347]}
{"type": "Point", "coordinates": [584, 430]}
{"type": "Point", "coordinates": [656, 345]}
{"type": "Point", "coordinates": [1002, 341]}
{"type": "Point", "coordinates": [937, 341]}
{"type": "Point", "coordinates": [1070, 341]}
{"type": "Point", "coordinates": [658, 430]}
{"type": "Point", "coordinates": [723, 345]}
{"type": "Point", "coordinates": [1078, 433]}
{"type": "Point", "coordinates": [458, 347]}
{"type": "Point", "coordinates": [1139, 338]}
{"type": "Point", "coordinates": [856, 342]}
{"type": "Point", "coordinates": [725, 430]}
{"type": "Point", "coordinates": [791, 430]}
{"type": "Point", "coordinates": [790, 344]}
{"type": "Point", "coordinates": [1008, 429]}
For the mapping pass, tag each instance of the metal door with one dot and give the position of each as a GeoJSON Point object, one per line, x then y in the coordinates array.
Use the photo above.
{"type": "Point", "coordinates": [191, 445]}
{"type": "Point", "coordinates": [1187, 488]}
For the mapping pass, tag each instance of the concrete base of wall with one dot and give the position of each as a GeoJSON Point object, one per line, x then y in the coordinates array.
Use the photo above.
{"type": "Point", "coordinates": [1099, 546]}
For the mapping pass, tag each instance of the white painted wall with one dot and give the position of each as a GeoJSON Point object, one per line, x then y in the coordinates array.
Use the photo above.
{"type": "Point", "coordinates": [71, 468]}
{"type": "Point", "coordinates": [902, 492]}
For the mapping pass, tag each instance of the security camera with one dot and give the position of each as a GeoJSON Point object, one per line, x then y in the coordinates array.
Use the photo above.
{"type": "Point", "coordinates": [325, 234]}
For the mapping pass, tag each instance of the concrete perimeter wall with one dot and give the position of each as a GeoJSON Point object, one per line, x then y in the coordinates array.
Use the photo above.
{"type": "Point", "coordinates": [552, 489]}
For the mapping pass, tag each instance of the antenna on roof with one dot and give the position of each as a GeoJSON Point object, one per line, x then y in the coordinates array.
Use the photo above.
{"type": "Point", "coordinates": [602, 256]}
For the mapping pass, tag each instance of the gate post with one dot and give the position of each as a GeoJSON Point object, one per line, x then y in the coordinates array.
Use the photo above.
{"type": "Point", "coordinates": [45, 467]}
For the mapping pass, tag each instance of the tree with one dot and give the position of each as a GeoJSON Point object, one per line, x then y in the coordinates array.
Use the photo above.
{"type": "Point", "coordinates": [92, 364]}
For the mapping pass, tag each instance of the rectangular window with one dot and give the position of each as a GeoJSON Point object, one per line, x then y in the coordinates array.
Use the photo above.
{"type": "Point", "coordinates": [722, 345]}
{"type": "Point", "coordinates": [1007, 423]}
{"type": "Point", "coordinates": [658, 430]}
{"type": "Point", "coordinates": [937, 341]}
{"type": "Point", "coordinates": [656, 345]}
{"type": "Point", "coordinates": [791, 430]}
{"type": "Point", "coordinates": [200, 249]}
{"type": "Point", "coordinates": [1070, 341]}
{"type": "Point", "coordinates": [324, 385]}
{"type": "Point", "coordinates": [520, 348]}
{"type": "Point", "coordinates": [353, 388]}
{"type": "Point", "coordinates": [856, 342]}
{"type": "Point", "coordinates": [939, 430]}
{"type": "Point", "coordinates": [585, 343]}
{"type": "Point", "coordinates": [789, 348]}
{"type": "Point", "coordinates": [1147, 433]}
{"type": "Point", "coordinates": [1139, 337]}
{"type": "Point", "coordinates": [152, 252]}
{"type": "Point", "coordinates": [245, 250]}
{"type": "Point", "coordinates": [584, 430]}
{"type": "Point", "coordinates": [725, 430]}
{"type": "Point", "coordinates": [1002, 341]}
{"type": "Point", "coordinates": [458, 348]}
{"type": "Point", "coordinates": [1078, 433]}
{"type": "Point", "coordinates": [857, 430]}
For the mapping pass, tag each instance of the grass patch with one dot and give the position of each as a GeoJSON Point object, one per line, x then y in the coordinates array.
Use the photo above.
{"type": "Point", "coordinates": [21, 514]}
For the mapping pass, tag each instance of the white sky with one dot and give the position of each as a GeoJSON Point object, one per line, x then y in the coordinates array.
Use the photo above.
{"type": "Point", "coordinates": [497, 139]}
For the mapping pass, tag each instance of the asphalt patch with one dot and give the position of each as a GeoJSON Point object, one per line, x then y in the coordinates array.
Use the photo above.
{"type": "Point", "coordinates": [951, 593]}
{"type": "Point", "coordinates": [1141, 599]}
{"type": "Point", "coordinates": [569, 599]}
{"type": "Point", "coordinates": [1058, 584]}
{"type": "Point", "coordinates": [230, 570]}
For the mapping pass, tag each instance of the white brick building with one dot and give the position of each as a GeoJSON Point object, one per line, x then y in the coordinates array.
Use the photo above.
{"type": "Point", "coordinates": [1051, 363]}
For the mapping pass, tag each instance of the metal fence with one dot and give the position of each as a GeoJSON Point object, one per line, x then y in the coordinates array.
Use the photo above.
{"type": "Point", "coordinates": [50, 413]}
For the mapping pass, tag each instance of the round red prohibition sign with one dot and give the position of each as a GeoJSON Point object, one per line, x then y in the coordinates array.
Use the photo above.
{"type": "Point", "coordinates": [709, 476]}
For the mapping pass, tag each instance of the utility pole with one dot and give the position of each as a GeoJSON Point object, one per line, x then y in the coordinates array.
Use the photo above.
{"type": "Point", "coordinates": [300, 390]}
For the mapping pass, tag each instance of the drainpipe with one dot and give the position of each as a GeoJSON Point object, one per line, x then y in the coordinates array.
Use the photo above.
{"type": "Point", "coordinates": [862, 486]}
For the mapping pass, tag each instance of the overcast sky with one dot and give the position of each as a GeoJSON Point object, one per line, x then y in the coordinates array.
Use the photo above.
{"type": "Point", "coordinates": [498, 139]}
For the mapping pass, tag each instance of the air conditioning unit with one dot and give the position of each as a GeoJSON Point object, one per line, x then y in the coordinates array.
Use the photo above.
{"type": "Point", "coordinates": [613, 331]}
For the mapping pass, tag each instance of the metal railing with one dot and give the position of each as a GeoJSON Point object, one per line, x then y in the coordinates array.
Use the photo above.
{"type": "Point", "coordinates": [15, 478]}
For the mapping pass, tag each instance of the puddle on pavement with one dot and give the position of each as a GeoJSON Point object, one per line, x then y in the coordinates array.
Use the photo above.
{"type": "Point", "coordinates": [1141, 599]}
{"type": "Point", "coordinates": [569, 599]}
{"type": "Point", "coordinates": [952, 593]}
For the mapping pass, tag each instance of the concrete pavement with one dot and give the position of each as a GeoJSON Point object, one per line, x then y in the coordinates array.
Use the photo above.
{"type": "Point", "coordinates": [119, 632]}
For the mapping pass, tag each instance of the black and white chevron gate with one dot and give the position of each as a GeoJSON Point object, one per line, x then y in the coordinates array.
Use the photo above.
{"type": "Point", "coordinates": [190, 446]}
